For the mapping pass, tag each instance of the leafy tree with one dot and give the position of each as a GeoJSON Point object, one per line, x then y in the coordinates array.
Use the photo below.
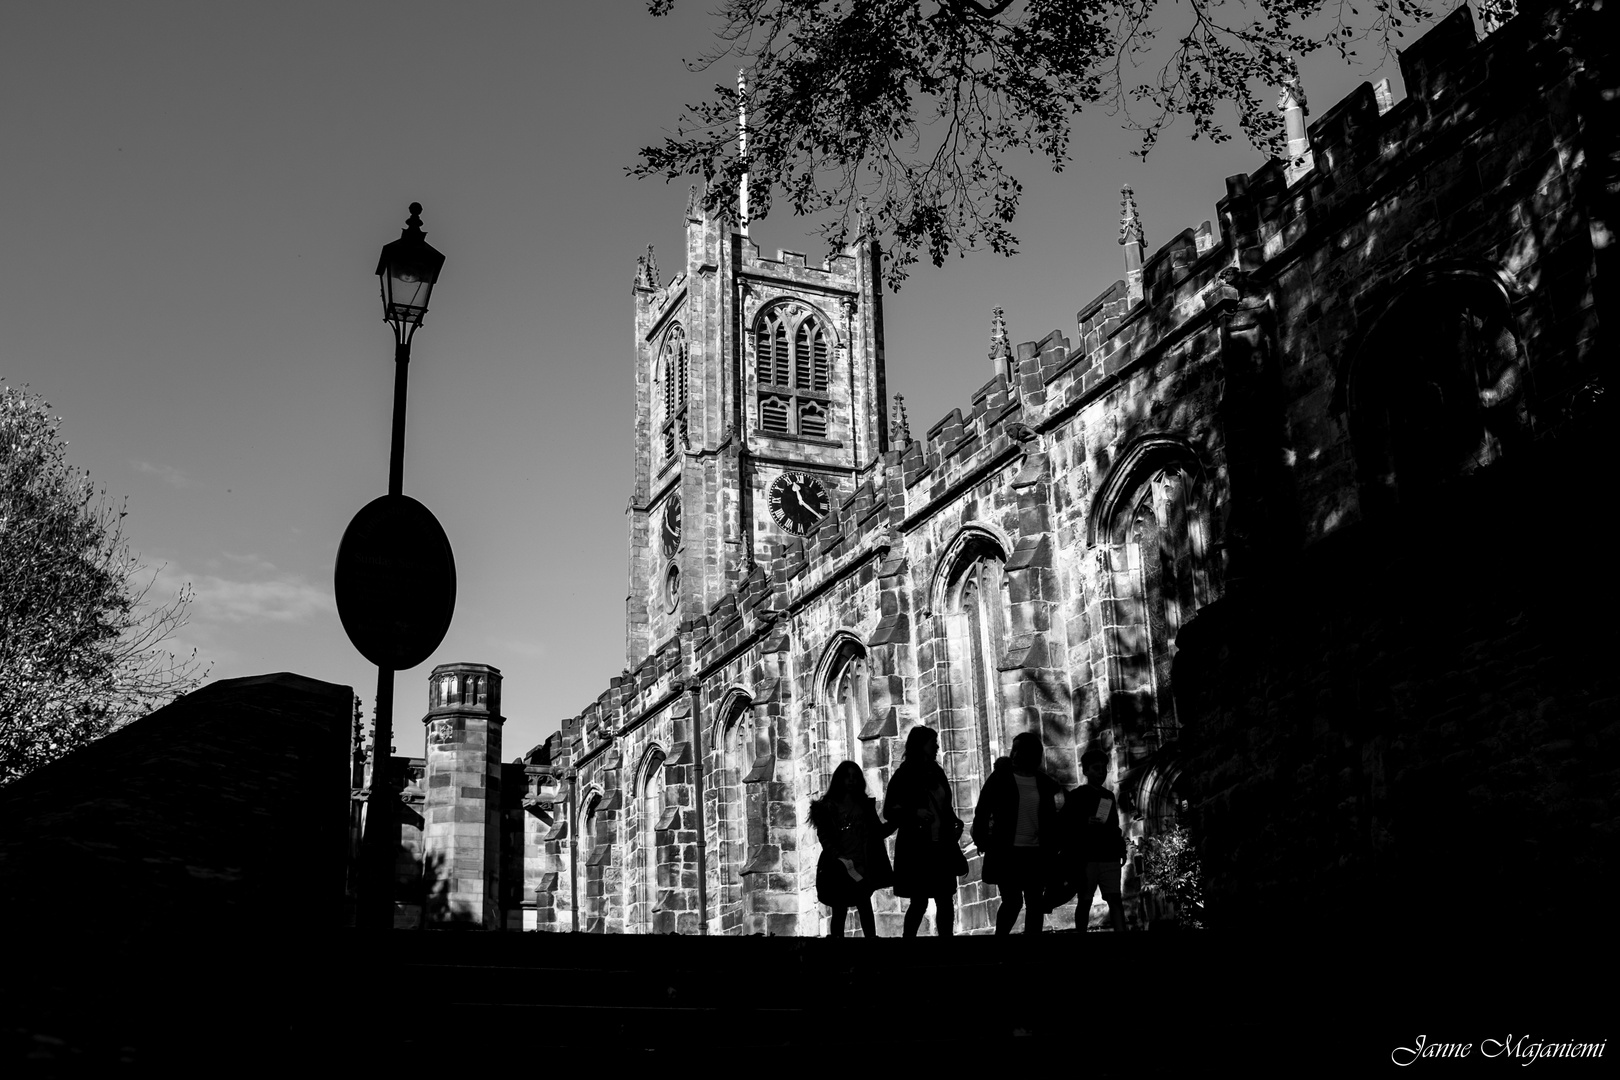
{"type": "Point", "coordinates": [80, 648]}
{"type": "Point", "coordinates": [911, 108]}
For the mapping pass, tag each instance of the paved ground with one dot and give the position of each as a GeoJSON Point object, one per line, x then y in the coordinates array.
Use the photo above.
{"type": "Point", "coordinates": [1138, 1004]}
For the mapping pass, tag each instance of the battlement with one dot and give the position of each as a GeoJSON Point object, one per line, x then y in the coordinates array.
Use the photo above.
{"type": "Point", "coordinates": [1360, 149]}
{"type": "Point", "coordinates": [836, 272]}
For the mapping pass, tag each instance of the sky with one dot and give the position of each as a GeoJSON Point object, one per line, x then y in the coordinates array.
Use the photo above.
{"type": "Point", "coordinates": [194, 197]}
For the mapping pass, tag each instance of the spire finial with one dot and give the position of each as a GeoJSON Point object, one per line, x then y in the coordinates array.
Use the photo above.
{"type": "Point", "coordinates": [694, 211]}
{"type": "Point", "coordinates": [899, 426]}
{"type": "Point", "coordinates": [1292, 104]}
{"type": "Point", "coordinates": [1134, 237]}
{"type": "Point", "coordinates": [647, 270]}
{"type": "Point", "coordinates": [1130, 219]}
{"type": "Point", "coordinates": [999, 345]}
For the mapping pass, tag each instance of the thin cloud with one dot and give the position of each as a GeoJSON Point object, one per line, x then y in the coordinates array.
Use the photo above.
{"type": "Point", "coordinates": [171, 476]}
{"type": "Point", "coordinates": [517, 646]}
{"type": "Point", "coordinates": [290, 600]}
{"type": "Point", "coordinates": [256, 593]}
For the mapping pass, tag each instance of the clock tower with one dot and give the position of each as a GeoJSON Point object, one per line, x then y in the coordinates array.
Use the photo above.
{"type": "Point", "coordinates": [760, 403]}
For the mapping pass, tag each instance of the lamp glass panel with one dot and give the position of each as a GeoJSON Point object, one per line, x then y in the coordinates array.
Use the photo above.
{"type": "Point", "coordinates": [407, 296]}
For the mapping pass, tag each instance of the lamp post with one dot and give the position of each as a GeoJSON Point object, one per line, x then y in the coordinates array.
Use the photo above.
{"type": "Point", "coordinates": [408, 269]}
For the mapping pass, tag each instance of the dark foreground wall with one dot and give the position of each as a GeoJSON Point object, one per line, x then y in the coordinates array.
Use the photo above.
{"type": "Point", "coordinates": [172, 894]}
{"type": "Point", "coordinates": [1417, 724]}
{"type": "Point", "coordinates": [225, 808]}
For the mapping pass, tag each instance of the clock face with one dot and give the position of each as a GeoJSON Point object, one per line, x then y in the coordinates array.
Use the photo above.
{"type": "Point", "coordinates": [797, 501]}
{"type": "Point", "coordinates": [672, 526]}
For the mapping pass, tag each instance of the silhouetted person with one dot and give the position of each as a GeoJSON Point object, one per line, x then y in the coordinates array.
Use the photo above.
{"type": "Point", "coordinates": [1016, 828]}
{"type": "Point", "coordinates": [1093, 846]}
{"type": "Point", "coordinates": [927, 859]}
{"type": "Point", "coordinates": [853, 862]}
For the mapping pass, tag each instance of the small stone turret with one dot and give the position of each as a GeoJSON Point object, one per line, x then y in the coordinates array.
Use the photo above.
{"type": "Point", "coordinates": [462, 833]}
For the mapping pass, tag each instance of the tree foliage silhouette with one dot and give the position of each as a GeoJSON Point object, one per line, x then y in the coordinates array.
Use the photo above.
{"type": "Point", "coordinates": [910, 109]}
{"type": "Point", "coordinates": [81, 650]}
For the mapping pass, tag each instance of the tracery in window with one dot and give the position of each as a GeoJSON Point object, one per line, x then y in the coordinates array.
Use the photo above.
{"type": "Point", "coordinates": [592, 849]}
{"type": "Point", "coordinates": [975, 610]}
{"type": "Point", "coordinates": [793, 351]}
{"type": "Point", "coordinates": [737, 812]}
{"type": "Point", "coordinates": [671, 391]}
{"type": "Point", "coordinates": [1438, 391]}
{"type": "Point", "coordinates": [981, 601]}
{"type": "Point", "coordinates": [651, 811]}
{"type": "Point", "coordinates": [846, 694]}
{"type": "Point", "coordinates": [1159, 540]}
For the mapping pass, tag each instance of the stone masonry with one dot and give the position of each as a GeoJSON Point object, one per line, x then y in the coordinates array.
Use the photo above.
{"type": "Point", "coordinates": [1404, 311]}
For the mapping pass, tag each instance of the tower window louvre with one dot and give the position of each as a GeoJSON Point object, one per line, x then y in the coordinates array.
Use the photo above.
{"type": "Point", "coordinates": [773, 415]}
{"type": "Point", "coordinates": [794, 379]}
{"type": "Point", "coordinates": [780, 346]}
{"type": "Point", "coordinates": [764, 335]}
{"type": "Point", "coordinates": [813, 419]}
{"type": "Point", "coordinates": [801, 357]}
{"type": "Point", "coordinates": [672, 376]}
{"type": "Point", "coordinates": [821, 365]}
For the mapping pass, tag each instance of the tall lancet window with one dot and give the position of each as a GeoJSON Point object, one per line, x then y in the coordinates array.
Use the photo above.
{"type": "Point", "coordinates": [652, 810]}
{"type": "Point", "coordinates": [984, 612]}
{"type": "Point", "coordinates": [846, 694]}
{"type": "Point", "coordinates": [793, 357]}
{"type": "Point", "coordinates": [670, 391]}
{"type": "Point", "coordinates": [974, 731]}
{"type": "Point", "coordinates": [1159, 543]}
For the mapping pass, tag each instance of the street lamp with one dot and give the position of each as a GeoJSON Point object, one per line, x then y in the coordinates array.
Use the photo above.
{"type": "Point", "coordinates": [407, 270]}
{"type": "Point", "coordinates": [395, 575]}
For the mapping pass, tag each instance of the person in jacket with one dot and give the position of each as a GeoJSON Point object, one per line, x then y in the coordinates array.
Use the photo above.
{"type": "Point", "coordinates": [853, 861]}
{"type": "Point", "coordinates": [927, 859]}
{"type": "Point", "coordinates": [1015, 827]}
{"type": "Point", "coordinates": [1093, 846]}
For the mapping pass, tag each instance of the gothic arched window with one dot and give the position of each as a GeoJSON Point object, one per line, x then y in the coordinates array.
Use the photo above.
{"type": "Point", "coordinates": [593, 849]}
{"type": "Point", "coordinates": [982, 605]}
{"type": "Point", "coordinates": [651, 811]}
{"type": "Point", "coordinates": [1437, 391]}
{"type": "Point", "coordinates": [671, 392]}
{"type": "Point", "coordinates": [793, 353]}
{"type": "Point", "coordinates": [975, 610]}
{"type": "Point", "coordinates": [737, 810]}
{"type": "Point", "coordinates": [1156, 533]}
{"type": "Point", "coordinates": [846, 693]}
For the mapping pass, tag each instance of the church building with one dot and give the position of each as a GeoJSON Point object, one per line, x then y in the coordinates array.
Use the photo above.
{"type": "Point", "coordinates": [1403, 307]}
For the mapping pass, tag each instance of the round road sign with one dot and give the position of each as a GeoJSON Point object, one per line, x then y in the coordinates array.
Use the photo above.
{"type": "Point", "coordinates": [395, 582]}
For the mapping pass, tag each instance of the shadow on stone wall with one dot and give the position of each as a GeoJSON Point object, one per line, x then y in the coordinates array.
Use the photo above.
{"type": "Point", "coordinates": [1414, 724]}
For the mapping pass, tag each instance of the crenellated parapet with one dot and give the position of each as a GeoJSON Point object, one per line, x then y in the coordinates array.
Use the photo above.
{"type": "Point", "coordinates": [1026, 562]}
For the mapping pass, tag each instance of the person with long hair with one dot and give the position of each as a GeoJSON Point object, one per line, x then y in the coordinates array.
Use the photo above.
{"type": "Point", "coordinates": [927, 858]}
{"type": "Point", "coordinates": [853, 862]}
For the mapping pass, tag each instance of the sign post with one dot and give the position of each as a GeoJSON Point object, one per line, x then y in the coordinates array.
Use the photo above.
{"type": "Point", "coordinates": [396, 576]}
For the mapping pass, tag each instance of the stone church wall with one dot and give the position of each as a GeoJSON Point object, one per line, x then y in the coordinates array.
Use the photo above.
{"type": "Point", "coordinates": [1113, 514]}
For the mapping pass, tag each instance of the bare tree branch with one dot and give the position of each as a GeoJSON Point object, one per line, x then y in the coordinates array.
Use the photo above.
{"type": "Point", "coordinates": [81, 647]}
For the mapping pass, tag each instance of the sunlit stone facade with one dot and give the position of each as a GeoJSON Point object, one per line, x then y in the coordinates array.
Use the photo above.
{"type": "Point", "coordinates": [1409, 305]}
